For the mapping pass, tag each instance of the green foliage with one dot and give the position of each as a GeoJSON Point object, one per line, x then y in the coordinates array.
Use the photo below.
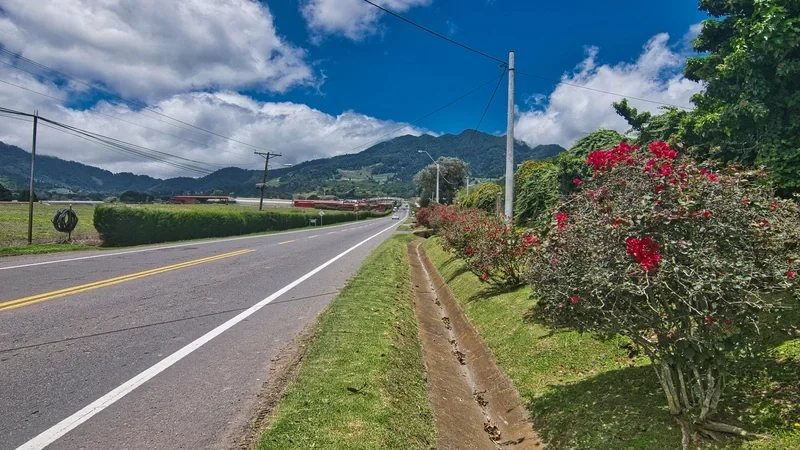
{"type": "Point", "coordinates": [600, 138]}
{"type": "Point", "coordinates": [683, 261]}
{"type": "Point", "coordinates": [648, 127]}
{"type": "Point", "coordinates": [121, 225]}
{"type": "Point", "coordinates": [751, 69]}
{"type": "Point", "coordinates": [537, 192]}
{"type": "Point", "coordinates": [452, 177]}
{"type": "Point", "coordinates": [483, 197]}
{"type": "Point", "coordinates": [5, 194]}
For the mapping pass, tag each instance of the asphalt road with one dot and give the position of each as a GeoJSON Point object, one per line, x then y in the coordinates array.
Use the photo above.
{"type": "Point", "coordinates": [160, 347]}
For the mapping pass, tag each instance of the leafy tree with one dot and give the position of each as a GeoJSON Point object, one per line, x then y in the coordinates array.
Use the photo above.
{"type": "Point", "coordinates": [135, 197]}
{"type": "Point", "coordinates": [453, 173]}
{"type": "Point", "coordinates": [600, 138]}
{"type": "Point", "coordinates": [649, 127]}
{"type": "Point", "coordinates": [5, 194]}
{"type": "Point", "coordinates": [483, 197]}
{"type": "Point", "coordinates": [751, 69]}
{"type": "Point", "coordinates": [685, 261]}
{"type": "Point", "coordinates": [537, 191]}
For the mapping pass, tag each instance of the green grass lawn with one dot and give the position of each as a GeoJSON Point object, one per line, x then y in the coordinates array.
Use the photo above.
{"type": "Point", "coordinates": [14, 224]}
{"type": "Point", "coordinates": [362, 384]}
{"type": "Point", "coordinates": [586, 394]}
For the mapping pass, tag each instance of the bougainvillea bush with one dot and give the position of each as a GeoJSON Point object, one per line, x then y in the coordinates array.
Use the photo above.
{"type": "Point", "coordinates": [684, 259]}
{"type": "Point", "coordinates": [490, 248]}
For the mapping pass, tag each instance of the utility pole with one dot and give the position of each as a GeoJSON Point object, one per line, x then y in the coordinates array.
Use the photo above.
{"type": "Point", "coordinates": [30, 189]}
{"type": "Point", "coordinates": [509, 210]}
{"type": "Point", "coordinates": [467, 184]}
{"type": "Point", "coordinates": [437, 182]}
{"type": "Point", "coordinates": [266, 156]}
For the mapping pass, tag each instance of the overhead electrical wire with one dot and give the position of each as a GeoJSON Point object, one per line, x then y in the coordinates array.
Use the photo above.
{"type": "Point", "coordinates": [123, 120]}
{"type": "Point", "coordinates": [493, 58]}
{"type": "Point", "coordinates": [118, 145]}
{"type": "Point", "coordinates": [131, 102]}
{"type": "Point", "coordinates": [426, 115]}
{"type": "Point", "coordinates": [475, 131]}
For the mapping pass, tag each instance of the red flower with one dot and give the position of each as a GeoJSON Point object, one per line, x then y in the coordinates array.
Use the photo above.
{"type": "Point", "coordinates": [791, 274]}
{"type": "Point", "coordinates": [713, 177]}
{"type": "Point", "coordinates": [703, 172]}
{"type": "Point", "coordinates": [773, 205]}
{"type": "Point", "coordinates": [623, 182]}
{"type": "Point", "coordinates": [659, 188]}
{"type": "Point", "coordinates": [577, 181]}
{"type": "Point", "coordinates": [707, 214]}
{"type": "Point", "coordinates": [728, 321]}
{"type": "Point", "coordinates": [484, 276]}
{"type": "Point", "coordinates": [764, 223]}
{"type": "Point", "coordinates": [709, 319]}
{"type": "Point", "coordinates": [644, 251]}
{"type": "Point", "coordinates": [662, 150]}
{"type": "Point", "coordinates": [554, 261]}
{"type": "Point", "coordinates": [665, 170]}
{"type": "Point", "coordinates": [470, 251]}
{"type": "Point", "coordinates": [746, 202]}
{"type": "Point", "coordinates": [574, 299]}
{"type": "Point", "coordinates": [617, 222]}
{"type": "Point", "coordinates": [561, 220]}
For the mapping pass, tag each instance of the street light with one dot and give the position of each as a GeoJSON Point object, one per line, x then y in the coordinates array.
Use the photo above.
{"type": "Point", "coordinates": [437, 172]}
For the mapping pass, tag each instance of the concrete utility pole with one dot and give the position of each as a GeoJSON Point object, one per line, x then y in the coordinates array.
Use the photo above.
{"type": "Point", "coordinates": [266, 156]}
{"type": "Point", "coordinates": [467, 184]}
{"type": "Point", "coordinates": [509, 210]}
{"type": "Point", "coordinates": [30, 189]}
{"type": "Point", "coordinates": [437, 182]}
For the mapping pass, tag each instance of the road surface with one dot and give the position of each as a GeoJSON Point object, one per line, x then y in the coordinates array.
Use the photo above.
{"type": "Point", "coordinates": [160, 347]}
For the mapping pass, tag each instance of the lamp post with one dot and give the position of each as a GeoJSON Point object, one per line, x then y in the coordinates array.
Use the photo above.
{"type": "Point", "coordinates": [437, 172]}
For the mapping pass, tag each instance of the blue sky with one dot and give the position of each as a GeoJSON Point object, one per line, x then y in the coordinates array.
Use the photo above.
{"type": "Point", "coordinates": [401, 73]}
{"type": "Point", "coordinates": [315, 78]}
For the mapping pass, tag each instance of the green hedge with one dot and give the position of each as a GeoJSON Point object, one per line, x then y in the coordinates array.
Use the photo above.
{"type": "Point", "coordinates": [122, 225]}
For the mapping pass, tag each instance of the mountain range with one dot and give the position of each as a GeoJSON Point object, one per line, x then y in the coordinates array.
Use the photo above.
{"type": "Point", "coordinates": [387, 168]}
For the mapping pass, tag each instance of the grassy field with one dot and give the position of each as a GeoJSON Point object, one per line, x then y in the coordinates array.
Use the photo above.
{"type": "Point", "coordinates": [586, 394]}
{"type": "Point", "coordinates": [362, 384]}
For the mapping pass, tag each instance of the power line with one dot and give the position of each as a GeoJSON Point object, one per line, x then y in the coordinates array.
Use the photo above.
{"type": "Point", "coordinates": [119, 118]}
{"type": "Point", "coordinates": [452, 41]}
{"type": "Point", "coordinates": [426, 115]}
{"type": "Point", "coordinates": [600, 90]}
{"type": "Point", "coordinates": [441, 36]}
{"type": "Point", "coordinates": [113, 94]}
{"type": "Point", "coordinates": [475, 131]}
{"type": "Point", "coordinates": [119, 145]}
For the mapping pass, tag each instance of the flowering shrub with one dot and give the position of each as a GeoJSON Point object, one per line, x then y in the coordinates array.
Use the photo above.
{"type": "Point", "coordinates": [422, 217]}
{"type": "Point", "coordinates": [682, 258]}
{"type": "Point", "coordinates": [491, 248]}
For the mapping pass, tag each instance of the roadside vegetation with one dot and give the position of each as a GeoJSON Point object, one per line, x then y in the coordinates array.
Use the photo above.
{"type": "Point", "coordinates": [587, 393]}
{"type": "Point", "coordinates": [362, 384]}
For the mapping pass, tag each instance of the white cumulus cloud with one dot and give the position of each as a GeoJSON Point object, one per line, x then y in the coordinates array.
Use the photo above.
{"type": "Point", "coordinates": [151, 49]}
{"type": "Point", "coordinates": [297, 131]}
{"type": "Point", "coordinates": [354, 19]}
{"type": "Point", "coordinates": [569, 112]}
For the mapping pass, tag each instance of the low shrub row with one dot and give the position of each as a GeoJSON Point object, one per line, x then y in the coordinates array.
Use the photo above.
{"type": "Point", "coordinates": [122, 225]}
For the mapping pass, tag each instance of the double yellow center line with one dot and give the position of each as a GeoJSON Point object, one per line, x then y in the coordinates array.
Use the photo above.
{"type": "Point", "coordinates": [111, 281]}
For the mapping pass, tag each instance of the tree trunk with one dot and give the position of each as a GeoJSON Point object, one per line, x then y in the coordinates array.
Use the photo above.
{"type": "Point", "coordinates": [692, 395]}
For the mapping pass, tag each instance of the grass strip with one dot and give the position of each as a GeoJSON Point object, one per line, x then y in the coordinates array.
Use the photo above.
{"type": "Point", "coordinates": [586, 394]}
{"type": "Point", "coordinates": [362, 384]}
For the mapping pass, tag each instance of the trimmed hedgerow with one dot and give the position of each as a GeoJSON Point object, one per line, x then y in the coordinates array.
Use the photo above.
{"type": "Point", "coordinates": [122, 225]}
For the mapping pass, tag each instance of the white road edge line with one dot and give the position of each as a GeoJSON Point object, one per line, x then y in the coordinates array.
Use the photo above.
{"type": "Point", "coordinates": [149, 249]}
{"type": "Point", "coordinates": [58, 430]}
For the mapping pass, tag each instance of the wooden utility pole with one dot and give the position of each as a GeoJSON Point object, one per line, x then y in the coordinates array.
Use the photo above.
{"type": "Point", "coordinates": [30, 188]}
{"type": "Point", "coordinates": [266, 156]}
